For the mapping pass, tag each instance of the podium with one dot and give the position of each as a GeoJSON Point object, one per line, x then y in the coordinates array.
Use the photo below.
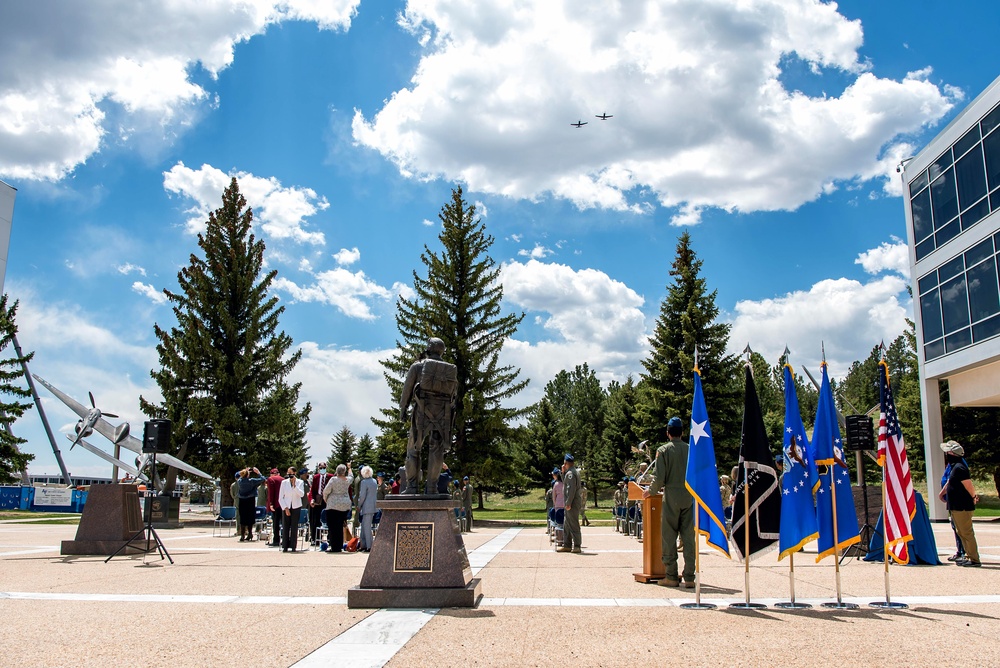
{"type": "Point", "coordinates": [652, 536]}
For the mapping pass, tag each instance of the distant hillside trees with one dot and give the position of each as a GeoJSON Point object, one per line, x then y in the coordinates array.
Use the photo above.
{"type": "Point", "coordinates": [224, 365]}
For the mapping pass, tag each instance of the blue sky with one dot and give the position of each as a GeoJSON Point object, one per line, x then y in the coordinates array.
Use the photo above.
{"type": "Point", "coordinates": [770, 130]}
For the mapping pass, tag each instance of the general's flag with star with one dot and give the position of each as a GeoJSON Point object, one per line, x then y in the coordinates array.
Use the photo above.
{"type": "Point", "coordinates": [828, 454]}
{"type": "Point", "coordinates": [798, 509]}
{"type": "Point", "coordinates": [757, 501]}
{"type": "Point", "coordinates": [702, 477]}
{"type": "Point", "coordinates": [900, 501]}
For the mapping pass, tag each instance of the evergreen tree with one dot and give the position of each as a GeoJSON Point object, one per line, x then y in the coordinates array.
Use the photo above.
{"type": "Point", "coordinates": [620, 426]}
{"type": "Point", "coordinates": [365, 453]}
{"type": "Point", "coordinates": [687, 319]}
{"type": "Point", "coordinates": [459, 301]}
{"type": "Point", "coordinates": [12, 460]}
{"type": "Point", "coordinates": [224, 365]}
{"type": "Point", "coordinates": [345, 445]}
{"type": "Point", "coordinates": [543, 443]}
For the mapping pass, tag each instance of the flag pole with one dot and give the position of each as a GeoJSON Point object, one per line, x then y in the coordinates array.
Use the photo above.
{"type": "Point", "coordinates": [888, 603]}
{"type": "Point", "coordinates": [697, 605]}
{"type": "Point", "coordinates": [791, 604]}
{"type": "Point", "coordinates": [746, 605]}
{"type": "Point", "coordinates": [832, 469]}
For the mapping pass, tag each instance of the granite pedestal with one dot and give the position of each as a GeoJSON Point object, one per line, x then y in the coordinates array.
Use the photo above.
{"type": "Point", "coordinates": [418, 558]}
{"type": "Point", "coordinates": [110, 518]}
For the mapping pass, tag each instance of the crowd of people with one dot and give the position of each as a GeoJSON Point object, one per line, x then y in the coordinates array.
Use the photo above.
{"type": "Point", "coordinates": [339, 506]}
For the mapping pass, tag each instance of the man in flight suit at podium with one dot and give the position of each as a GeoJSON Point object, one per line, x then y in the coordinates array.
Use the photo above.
{"type": "Point", "coordinates": [670, 466]}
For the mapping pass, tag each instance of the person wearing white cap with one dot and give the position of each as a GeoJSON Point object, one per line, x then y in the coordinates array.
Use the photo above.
{"type": "Point", "coordinates": [961, 500]}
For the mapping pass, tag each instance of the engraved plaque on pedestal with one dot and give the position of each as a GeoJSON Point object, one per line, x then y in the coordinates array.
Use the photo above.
{"type": "Point", "coordinates": [414, 548]}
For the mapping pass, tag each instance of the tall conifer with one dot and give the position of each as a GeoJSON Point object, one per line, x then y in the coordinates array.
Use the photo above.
{"type": "Point", "coordinates": [459, 301]}
{"type": "Point", "coordinates": [688, 318]}
{"type": "Point", "coordinates": [224, 365]}
{"type": "Point", "coordinates": [12, 460]}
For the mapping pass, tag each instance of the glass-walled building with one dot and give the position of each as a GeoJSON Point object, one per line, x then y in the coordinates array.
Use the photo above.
{"type": "Point", "coordinates": [952, 194]}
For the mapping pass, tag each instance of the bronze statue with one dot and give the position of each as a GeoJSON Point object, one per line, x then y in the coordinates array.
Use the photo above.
{"type": "Point", "coordinates": [432, 384]}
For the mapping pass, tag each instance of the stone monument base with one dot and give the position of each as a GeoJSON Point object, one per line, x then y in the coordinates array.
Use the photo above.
{"type": "Point", "coordinates": [111, 517]}
{"type": "Point", "coordinates": [418, 559]}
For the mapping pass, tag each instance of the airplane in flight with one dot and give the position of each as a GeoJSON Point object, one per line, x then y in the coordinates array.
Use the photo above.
{"type": "Point", "coordinates": [579, 124]}
{"type": "Point", "coordinates": [605, 116]}
{"type": "Point", "coordinates": [119, 435]}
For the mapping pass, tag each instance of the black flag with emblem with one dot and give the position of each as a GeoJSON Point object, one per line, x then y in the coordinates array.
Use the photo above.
{"type": "Point", "coordinates": [757, 501]}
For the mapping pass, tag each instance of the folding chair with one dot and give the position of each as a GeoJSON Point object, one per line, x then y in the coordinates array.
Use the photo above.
{"type": "Point", "coordinates": [227, 517]}
{"type": "Point", "coordinates": [261, 523]}
{"type": "Point", "coordinates": [322, 531]}
{"type": "Point", "coordinates": [303, 527]}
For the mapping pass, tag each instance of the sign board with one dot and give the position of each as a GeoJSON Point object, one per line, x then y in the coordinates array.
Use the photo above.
{"type": "Point", "coordinates": [6, 219]}
{"type": "Point", "coordinates": [53, 496]}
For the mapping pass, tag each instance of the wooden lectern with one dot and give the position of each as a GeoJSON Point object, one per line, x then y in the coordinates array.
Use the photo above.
{"type": "Point", "coordinates": [652, 543]}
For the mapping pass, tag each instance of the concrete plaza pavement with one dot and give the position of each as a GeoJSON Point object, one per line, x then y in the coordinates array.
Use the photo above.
{"type": "Point", "coordinates": [226, 603]}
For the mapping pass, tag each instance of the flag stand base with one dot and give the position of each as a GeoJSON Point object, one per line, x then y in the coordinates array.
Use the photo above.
{"type": "Point", "coordinates": [793, 605]}
{"type": "Point", "coordinates": [698, 606]}
{"type": "Point", "coordinates": [746, 606]}
{"type": "Point", "coordinates": [836, 605]}
{"type": "Point", "coordinates": [888, 605]}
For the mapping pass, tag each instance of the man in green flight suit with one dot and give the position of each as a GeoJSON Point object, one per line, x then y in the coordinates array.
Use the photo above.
{"type": "Point", "coordinates": [670, 466]}
{"type": "Point", "coordinates": [573, 500]}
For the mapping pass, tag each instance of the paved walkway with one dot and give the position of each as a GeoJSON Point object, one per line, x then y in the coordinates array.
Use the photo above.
{"type": "Point", "coordinates": [226, 603]}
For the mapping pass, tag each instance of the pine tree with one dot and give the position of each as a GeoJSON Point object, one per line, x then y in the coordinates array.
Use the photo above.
{"type": "Point", "coordinates": [345, 445]}
{"type": "Point", "coordinates": [459, 301]}
{"type": "Point", "coordinates": [12, 460]}
{"type": "Point", "coordinates": [620, 426]}
{"type": "Point", "coordinates": [224, 365]}
{"type": "Point", "coordinates": [364, 453]}
{"type": "Point", "coordinates": [687, 319]}
{"type": "Point", "coordinates": [544, 444]}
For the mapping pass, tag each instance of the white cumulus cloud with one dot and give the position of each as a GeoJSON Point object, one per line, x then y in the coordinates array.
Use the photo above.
{"type": "Point", "coordinates": [63, 61]}
{"type": "Point", "coordinates": [702, 117]}
{"type": "Point", "coordinates": [887, 257]}
{"type": "Point", "coordinates": [350, 292]}
{"type": "Point", "coordinates": [347, 257]}
{"type": "Point", "coordinates": [281, 211]}
{"type": "Point", "coordinates": [149, 292]}
{"type": "Point", "coordinates": [847, 316]}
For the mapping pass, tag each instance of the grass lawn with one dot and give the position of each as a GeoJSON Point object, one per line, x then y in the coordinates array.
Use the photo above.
{"type": "Point", "coordinates": [530, 507]}
{"type": "Point", "coordinates": [46, 518]}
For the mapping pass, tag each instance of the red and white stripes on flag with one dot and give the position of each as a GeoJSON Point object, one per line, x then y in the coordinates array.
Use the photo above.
{"type": "Point", "coordinates": [899, 501]}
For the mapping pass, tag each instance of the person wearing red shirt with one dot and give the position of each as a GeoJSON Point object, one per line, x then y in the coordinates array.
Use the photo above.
{"type": "Point", "coordinates": [316, 501]}
{"type": "Point", "coordinates": [273, 487]}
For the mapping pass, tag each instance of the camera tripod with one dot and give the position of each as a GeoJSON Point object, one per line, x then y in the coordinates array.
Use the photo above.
{"type": "Point", "coordinates": [147, 533]}
{"type": "Point", "coordinates": [867, 532]}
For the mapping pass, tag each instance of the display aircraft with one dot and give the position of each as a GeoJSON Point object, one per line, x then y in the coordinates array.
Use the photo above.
{"type": "Point", "coordinates": [111, 460]}
{"type": "Point", "coordinates": [579, 124]}
{"type": "Point", "coordinates": [85, 426]}
{"type": "Point", "coordinates": [118, 435]}
{"type": "Point", "coordinates": [604, 116]}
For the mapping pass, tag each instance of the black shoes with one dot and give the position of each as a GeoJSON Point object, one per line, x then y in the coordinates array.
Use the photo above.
{"type": "Point", "coordinates": [968, 563]}
{"type": "Point", "coordinates": [956, 557]}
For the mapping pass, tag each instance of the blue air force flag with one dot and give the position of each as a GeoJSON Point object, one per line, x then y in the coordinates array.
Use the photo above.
{"type": "Point", "coordinates": [798, 510]}
{"type": "Point", "coordinates": [828, 454]}
{"type": "Point", "coordinates": [702, 477]}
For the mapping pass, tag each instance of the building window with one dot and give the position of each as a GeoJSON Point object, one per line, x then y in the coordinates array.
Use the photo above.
{"type": "Point", "coordinates": [959, 189]}
{"type": "Point", "coordinates": [960, 300]}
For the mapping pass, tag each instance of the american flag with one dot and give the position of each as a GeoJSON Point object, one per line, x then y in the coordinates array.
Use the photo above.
{"type": "Point", "coordinates": [900, 502]}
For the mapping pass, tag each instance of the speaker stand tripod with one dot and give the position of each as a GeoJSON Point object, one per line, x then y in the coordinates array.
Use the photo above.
{"type": "Point", "coordinates": [867, 532]}
{"type": "Point", "coordinates": [147, 533]}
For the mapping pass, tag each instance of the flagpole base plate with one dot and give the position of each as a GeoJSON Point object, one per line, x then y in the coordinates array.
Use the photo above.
{"type": "Point", "coordinates": [793, 605]}
{"type": "Point", "coordinates": [746, 606]}
{"type": "Point", "coordinates": [840, 605]}
{"type": "Point", "coordinates": [888, 605]}
{"type": "Point", "coordinates": [698, 606]}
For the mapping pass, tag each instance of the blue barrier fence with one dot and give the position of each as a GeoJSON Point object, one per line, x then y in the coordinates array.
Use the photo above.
{"type": "Point", "coordinates": [23, 498]}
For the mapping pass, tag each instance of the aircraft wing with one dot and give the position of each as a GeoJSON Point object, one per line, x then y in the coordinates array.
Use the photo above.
{"type": "Point", "coordinates": [135, 445]}
{"type": "Point", "coordinates": [77, 407]}
{"type": "Point", "coordinates": [106, 457]}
